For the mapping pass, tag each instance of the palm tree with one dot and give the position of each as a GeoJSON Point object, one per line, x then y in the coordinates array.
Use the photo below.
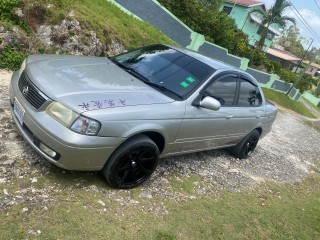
{"type": "Point", "coordinates": [271, 16]}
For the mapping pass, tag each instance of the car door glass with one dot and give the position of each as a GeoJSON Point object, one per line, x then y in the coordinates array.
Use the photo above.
{"type": "Point", "coordinates": [223, 90]}
{"type": "Point", "coordinates": [249, 95]}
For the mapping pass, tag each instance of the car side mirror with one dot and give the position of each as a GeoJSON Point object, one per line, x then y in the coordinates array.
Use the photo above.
{"type": "Point", "coordinates": [210, 103]}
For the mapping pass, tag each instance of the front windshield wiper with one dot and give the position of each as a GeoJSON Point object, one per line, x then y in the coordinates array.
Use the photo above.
{"type": "Point", "coordinates": [163, 88]}
{"type": "Point", "coordinates": [144, 79]}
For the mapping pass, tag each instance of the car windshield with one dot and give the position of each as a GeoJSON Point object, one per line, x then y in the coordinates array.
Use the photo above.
{"type": "Point", "coordinates": [167, 68]}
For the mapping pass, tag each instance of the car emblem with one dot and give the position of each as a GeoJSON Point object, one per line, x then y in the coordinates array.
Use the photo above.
{"type": "Point", "coordinates": [25, 90]}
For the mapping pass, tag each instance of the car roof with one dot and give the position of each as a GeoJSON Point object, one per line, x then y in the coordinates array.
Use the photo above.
{"type": "Point", "coordinates": [207, 60]}
{"type": "Point", "coordinates": [212, 62]}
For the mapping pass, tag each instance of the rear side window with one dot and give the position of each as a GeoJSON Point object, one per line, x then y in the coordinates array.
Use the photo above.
{"type": "Point", "coordinates": [223, 90]}
{"type": "Point", "coordinates": [249, 95]}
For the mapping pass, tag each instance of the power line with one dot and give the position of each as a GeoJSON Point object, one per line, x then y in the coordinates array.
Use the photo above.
{"type": "Point", "coordinates": [304, 22]}
{"type": "Point", "coordinates": [317, 3]}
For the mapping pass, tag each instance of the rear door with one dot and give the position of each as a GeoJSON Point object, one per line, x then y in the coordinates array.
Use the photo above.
{"type": "Point", "coordinates": [249, 107]}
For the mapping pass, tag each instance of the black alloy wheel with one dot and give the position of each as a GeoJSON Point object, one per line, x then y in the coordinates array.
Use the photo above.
{"type": "Point", "coordinates": [132, 163]}
{"type": "Point", "coordinates": [247, 146]}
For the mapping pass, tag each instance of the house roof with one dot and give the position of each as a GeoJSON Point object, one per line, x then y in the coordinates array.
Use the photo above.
{"type": "Point", "coordinates": [283, 54]}
{"type": "Point", "coordinates": [247, 3]}
{"type": "Point", "coordinates": [312, 64]}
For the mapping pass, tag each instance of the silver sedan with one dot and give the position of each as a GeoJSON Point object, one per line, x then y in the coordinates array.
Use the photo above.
{"type": "Point", "coordinates": [121, 114]}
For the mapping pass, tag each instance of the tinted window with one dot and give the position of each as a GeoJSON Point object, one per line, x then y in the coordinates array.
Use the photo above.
{"type": "Point", "coordinates": [167, 67]}
{"type": "Point", "coordinates": [223, 90]}
{"type": "Point", "coordinates": [249, 95]}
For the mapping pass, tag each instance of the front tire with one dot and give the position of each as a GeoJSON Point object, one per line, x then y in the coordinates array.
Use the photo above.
{"type": "Point", "coordinates": [132, 163]}
{"type": "Point", "coordinates": [247, 146]}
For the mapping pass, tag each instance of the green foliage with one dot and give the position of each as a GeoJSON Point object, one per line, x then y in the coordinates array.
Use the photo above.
{"type": "Point", "coordinates": [317, 90]}
{"type": "Point", "coordinates": [6, 7]}
{"type": "Point", "coordinates": [10, 58]}
{"type": "Point", "coordinates": [100, 16]}
{"type": "Point", "coordinates": [204, 17]}
{"type": "Point", "coordinates": [273, 15]}
{"type": "Point", "coordinates": [273, 66]}
{"type": "Point", "coordinates": [256, 56]}
{"type": "Point", "coordinates": [306, 83]}
{"type": "Point", "coordinates": [287, 76]}
{"type": "Point", "coordinates": [6, 12]}
{"type": "Point", "coordinates": [291, 40]}
{"type": "Point", "coordinates": [269, 211]}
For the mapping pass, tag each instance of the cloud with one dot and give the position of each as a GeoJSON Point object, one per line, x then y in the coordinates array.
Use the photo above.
{"type": "Point", "coordinates": [310, 17]}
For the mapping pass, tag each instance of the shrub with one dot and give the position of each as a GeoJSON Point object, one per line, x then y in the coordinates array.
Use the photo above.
{"type": "Point", "coordinates": [10, 58]}
{"type": "Point", "coordinates": [6, 7]}
{"type": "Point", "coordinates": [306, 83]}
{"type": "Point", "coordinates": [205, 18]}
{"type": "Point", "coordinates": [273, 67]}
{"type": "Point", "coordinates": [287, 76]}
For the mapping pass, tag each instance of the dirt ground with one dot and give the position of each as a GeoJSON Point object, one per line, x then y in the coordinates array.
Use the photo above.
{"type": "Point", "coordinates": [287, 154]}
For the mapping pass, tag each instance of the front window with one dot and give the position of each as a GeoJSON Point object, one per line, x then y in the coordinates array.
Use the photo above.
{"type": "Point", "coordinates": [166, 68]}
{"type": "Point", "coordinates": [224, 90]}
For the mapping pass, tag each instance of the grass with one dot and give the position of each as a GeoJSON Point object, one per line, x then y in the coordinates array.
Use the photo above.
{"type": "Point", "coordinates": [272, 211]}
{"type": "Point", "coordinates": [113, 27]}
{"type": "Point", "coordinates": [286, 102]}
{"type": "Point", "coordinates": [107, 20]}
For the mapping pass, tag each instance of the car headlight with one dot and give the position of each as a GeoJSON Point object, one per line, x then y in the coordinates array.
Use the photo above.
{"type": "Point", "coordinates": [86, 126]}
{"type": "Point", "coordinates": [62, 114]}
{"type": "Point", "coordinates": [73, 120]}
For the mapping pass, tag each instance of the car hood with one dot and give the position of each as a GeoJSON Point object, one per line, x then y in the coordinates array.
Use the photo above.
{"type": "Point", "coordinates": [89, 83]}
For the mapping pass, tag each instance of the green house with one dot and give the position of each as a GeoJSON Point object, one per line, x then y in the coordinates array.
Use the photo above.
{"type": "Point", "coordinates": [249, 23]}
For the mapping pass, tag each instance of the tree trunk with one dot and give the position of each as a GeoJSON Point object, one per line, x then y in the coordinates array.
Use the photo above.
{"type": "Point", "coordinates": [264, 35]}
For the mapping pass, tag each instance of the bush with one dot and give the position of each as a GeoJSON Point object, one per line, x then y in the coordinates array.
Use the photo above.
{"type": "Point", "coordinates": [287, 76]}
{"type": "Point", "coordinates": [11, 59]}
{"type": "Point", "coordinates": [306, 83]}
{"type": "Point", "coordinates": [205, 18]}
{"type": "Point", "coordinates": [273, 67]}
{"type": "Point", "coordinates": [6, 7]}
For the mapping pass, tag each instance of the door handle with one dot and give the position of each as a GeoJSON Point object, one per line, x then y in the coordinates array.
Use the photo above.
{"type": "Point", "coordinates": [258, 116]}
{"type": "Point", "coordinates": [229, 116]}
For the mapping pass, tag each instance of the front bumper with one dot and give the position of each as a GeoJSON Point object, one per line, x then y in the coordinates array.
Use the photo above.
{"type": "Point", "coordinates": [75, 151]}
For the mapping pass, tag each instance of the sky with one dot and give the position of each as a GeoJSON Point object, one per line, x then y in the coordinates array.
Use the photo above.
{"type": "Point", "coordinates": [310, 11]}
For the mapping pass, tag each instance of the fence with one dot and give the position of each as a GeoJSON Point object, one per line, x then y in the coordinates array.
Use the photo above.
{"type": "Point", "coordinates": [170, 25]}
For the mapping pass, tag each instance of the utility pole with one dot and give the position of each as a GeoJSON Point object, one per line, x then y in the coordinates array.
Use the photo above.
{"type": "Point", "coordinates": [302, 73]}
{"type": "Point", "coordinates": [304, 55]}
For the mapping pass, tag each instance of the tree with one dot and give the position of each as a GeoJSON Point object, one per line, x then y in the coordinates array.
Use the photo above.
{"type": "Point", "coordinates": [273, 15]}
{"type": "Point", "coordinates": [291, 40]}
{"type": "Point", "coordinates": [205, 17]}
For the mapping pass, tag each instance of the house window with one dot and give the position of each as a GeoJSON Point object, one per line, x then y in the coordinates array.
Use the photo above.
{"type": "Point", "coordinates": [227, 10]}
{"type": "Point", "coordinates": [260, 30]}
{"type": "Point", "coordinates": [270, 35]}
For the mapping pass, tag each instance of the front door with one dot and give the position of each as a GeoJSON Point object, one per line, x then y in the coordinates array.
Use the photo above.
{"type": "Point", "coordinates": [206, 129]}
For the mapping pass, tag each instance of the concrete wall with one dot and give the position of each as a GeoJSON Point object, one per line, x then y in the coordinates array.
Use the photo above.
{"type": "Point", "coordinates": [314, 100]}
{"type": "Point", "coordinates": [146, 10]}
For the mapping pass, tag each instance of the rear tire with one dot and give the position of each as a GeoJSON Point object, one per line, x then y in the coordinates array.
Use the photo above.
{"type": "Point", "coordinates": [247, 146]}
{"type": "Point", "coordinates": [132, 163]}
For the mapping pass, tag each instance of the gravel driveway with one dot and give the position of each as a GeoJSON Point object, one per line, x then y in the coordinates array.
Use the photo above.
{"type": "Point", "coordinates": [287, 154]}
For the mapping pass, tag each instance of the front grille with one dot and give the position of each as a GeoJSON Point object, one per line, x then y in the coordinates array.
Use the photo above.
{"type": "Point", "coordinates": [30, 92]}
